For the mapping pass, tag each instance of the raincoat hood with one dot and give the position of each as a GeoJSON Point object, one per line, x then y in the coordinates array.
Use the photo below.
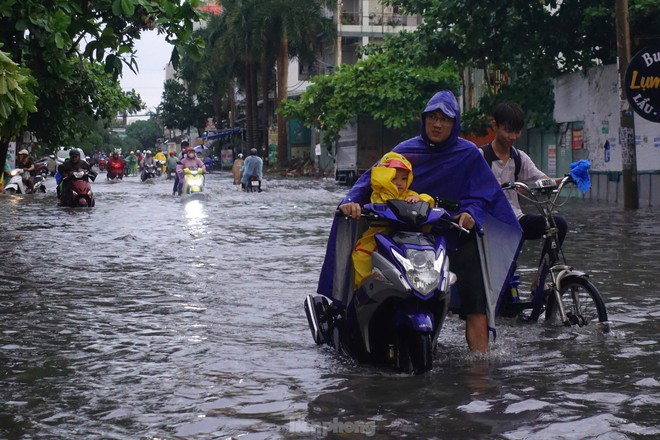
{"type": "Point", "coordinates": [382, 175]}
{"type": "Point", "coordinates": [447, 104]}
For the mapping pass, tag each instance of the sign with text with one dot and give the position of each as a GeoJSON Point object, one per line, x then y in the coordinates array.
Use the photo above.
{"type": "Point", "coordinates": [642, 83]}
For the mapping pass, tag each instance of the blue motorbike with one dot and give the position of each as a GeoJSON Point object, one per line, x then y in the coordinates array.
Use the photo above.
{"type": "Point", "coordinates": [394, 318]}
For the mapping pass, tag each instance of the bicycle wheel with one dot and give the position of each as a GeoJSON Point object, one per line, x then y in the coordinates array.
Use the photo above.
{"type": "Point", "coordinates": [582, 303]}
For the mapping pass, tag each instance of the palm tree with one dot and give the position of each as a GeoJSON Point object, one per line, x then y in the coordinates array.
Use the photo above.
{"type": "Point", "coordinates": [301, 29]}
{"type": "Point", "coordinates": [255, 34]}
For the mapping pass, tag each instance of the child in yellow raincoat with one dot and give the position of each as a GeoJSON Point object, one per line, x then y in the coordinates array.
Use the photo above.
{"type": "Point", "coordinates": [390, 179]}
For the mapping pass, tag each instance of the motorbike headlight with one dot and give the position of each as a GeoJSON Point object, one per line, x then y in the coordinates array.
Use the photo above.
{"type": "Point", "coordinates": [422, 269]}
{"type": "Point", "coordinates": [12, 173]}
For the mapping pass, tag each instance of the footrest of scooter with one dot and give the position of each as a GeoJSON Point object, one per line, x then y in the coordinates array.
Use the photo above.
{"type": "Point", "coordinates": [315, 306]}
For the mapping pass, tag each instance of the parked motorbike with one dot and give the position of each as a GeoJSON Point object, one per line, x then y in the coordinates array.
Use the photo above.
{"type": "Point", "coordinates": [79, 190]}
{"type": "Point", "coordinates": [148, 172]}
{"type": "Point", "coordinates": [16, 185]}
{"type": "Point", "coordinates": [395, 317]}
{"type": "Point", "coordinates": [115, 172]}
{"type": "Point", "coordinates": [193, 181]}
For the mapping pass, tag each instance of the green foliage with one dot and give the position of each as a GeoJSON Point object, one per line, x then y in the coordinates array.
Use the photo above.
{"type": "Point", "coordinates": [65, 44]}
{"type": "Point", "coordinates": [390, 89]}
{"type": "Point", "coordinates": [146, 132]}
{"type": "Point", "coordinates": [17, 99]}
{"type": "Point", "coordinates": [532, 42]}
{"type": "Point", "coordinates": [176, 108]}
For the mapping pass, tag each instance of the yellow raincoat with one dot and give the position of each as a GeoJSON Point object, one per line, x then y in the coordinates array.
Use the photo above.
{"type": "Point", "coordinates": [161, 157]}
{"type": "Point", "coordinates": [382, 190]}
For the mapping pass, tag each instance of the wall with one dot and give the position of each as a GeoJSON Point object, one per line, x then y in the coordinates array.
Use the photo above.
{"type": "Point", "coordinates": [592, 101]}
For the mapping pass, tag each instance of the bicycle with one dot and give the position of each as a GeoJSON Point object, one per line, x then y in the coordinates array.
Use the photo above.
{"type": "Point", "coordinates": [566, 295]}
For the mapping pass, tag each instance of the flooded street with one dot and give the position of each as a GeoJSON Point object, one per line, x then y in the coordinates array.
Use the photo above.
{"type": "Point", "coordinates": [148, 318]}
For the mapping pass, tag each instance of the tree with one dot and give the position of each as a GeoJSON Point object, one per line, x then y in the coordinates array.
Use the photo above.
{"type": "Point", "coordinates": [301, 30]}
{"type": "Point", "coordinates": [256, 34]}
{"type": "Point", "coordinates": [176, 106]}
{"type": "Point", "coordinates": [17, 98]}
{"type": "Point", "coordinates": [532, 42]}
{"type": "Point", "coordinates": [390, 85]}
{"type": "Point", "coordinates": [54, 38]}
{"type": "Point", "coordinates": [146, 132]}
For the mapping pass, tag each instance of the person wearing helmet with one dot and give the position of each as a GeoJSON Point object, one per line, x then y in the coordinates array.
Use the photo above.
{"type": "Point", "coordinates": [190, 161]}
{"type": "Point", "coordinates": [148, 160]}
{"type": "Point", "coordinates": [160, 159]}
{"type": "Point", "coordinates": [23, 161]}
{"type": "Point", "coordinates": [116, 166]}
{"type": "Point", "coordinates": [182, 155]}
{"type": "Point", "coordinates": [73, 163]}
{"type": "Point", "coordinates": [252, 166]}
{"type": "Point", "coordinates": [171, 164]}
{"type": "Point", "coordinates": [236, 169]}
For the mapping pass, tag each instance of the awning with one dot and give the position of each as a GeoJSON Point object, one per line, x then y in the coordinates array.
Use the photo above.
{"type": "Point", "coordinates": [221, 134]}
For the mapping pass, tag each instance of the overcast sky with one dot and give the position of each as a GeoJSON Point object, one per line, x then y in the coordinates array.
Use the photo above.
{"type": "Point", "coordinates": [153, 53]}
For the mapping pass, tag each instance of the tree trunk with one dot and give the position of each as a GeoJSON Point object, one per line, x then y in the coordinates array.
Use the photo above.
{"type": "Point", "coordinates": [251, 105]}
{"type": "Point", "coordinates": [282, 86]}
{"type": "Point", "coordinates": [265, 89]}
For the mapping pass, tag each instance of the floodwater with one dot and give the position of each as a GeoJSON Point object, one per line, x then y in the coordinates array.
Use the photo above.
{"type": "Point", "coordinates": [148, 318]}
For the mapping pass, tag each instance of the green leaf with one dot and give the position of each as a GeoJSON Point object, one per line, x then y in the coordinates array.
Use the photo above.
{"type": "Point", "coordinates": [128, 7]}
{"type": "Point", "coordinates": [59, 42]}
{"type": "Point", "coordinates": [116, 7]}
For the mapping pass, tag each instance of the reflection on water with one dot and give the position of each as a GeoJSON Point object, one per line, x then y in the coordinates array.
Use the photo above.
{"type": "Point", "coordinates": [149, 317]}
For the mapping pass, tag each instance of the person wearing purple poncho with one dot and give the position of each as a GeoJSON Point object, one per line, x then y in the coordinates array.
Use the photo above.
{"type": "Point", "coordinates": [452, 168]}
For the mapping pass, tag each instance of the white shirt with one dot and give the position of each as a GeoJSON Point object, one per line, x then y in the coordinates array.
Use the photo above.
{"type": "Point", "coordinates": [505, 172]}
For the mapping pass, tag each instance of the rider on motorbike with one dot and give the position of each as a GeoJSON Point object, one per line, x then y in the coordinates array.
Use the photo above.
{"type": "Point", "coordinates": [253, 166]}
{"type": "Point", "coordinates": [189, 161]}
{"type": "Point", "coordinates": [172, 162]}
{"type": "Point", "coordinates": [74, 163]}
{"type": "Point", "coordinates": [148, 160]}
{"type": "Point", "coordinates": [23, 161]}
{"type": "Point", "coordinates": [116, 159]}
{"type": "Point", "coordinates": [160, 157]}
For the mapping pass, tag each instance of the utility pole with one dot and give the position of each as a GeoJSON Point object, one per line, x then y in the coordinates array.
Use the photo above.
{"type": "Point", "coordinates": [626, 118]}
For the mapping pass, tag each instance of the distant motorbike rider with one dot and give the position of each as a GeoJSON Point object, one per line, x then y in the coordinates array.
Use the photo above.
{"type": "Point", "coordinates": [133, 163]}
{"type": "Point", "coordinates": [24, 162]}
{"type": "Point", "coordinates": [172, 162]}
{"type": "Point", "coordinates": [148, 160]}
{"type": "Point", "coordinates": [253, 166]}
{"type": "Point", "coordinates": [160, 157]}
{"type": "Point", "coordinates": [184, 147]}
{"type": "Point", "coordinates": [116, 159]}
{"type": "Point", "coordinates": [72, 164]}
{"type": "Point", "coordinates": [190, 161]}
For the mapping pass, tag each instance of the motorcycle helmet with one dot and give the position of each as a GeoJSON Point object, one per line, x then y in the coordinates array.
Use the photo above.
{"type": "Point", "coordinates": [240, 155]}
{"type": "Point", "coordinates": [190, 150]}
{"type": "Point", "coordinates": [148, 153]}
{"type": "Point", "coordinates": [171, 153]}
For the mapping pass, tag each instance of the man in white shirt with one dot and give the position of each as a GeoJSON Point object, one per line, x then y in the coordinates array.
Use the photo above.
{"type": "Point", "coordinates": [512, 165]}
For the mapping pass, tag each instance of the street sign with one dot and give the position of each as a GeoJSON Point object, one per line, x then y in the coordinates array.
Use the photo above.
{"type": "Point", "coordinates": [642, 83]}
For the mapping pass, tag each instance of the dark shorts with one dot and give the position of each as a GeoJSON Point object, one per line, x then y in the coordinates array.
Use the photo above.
{"type": "Point", "coordinates": [466, 264]}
